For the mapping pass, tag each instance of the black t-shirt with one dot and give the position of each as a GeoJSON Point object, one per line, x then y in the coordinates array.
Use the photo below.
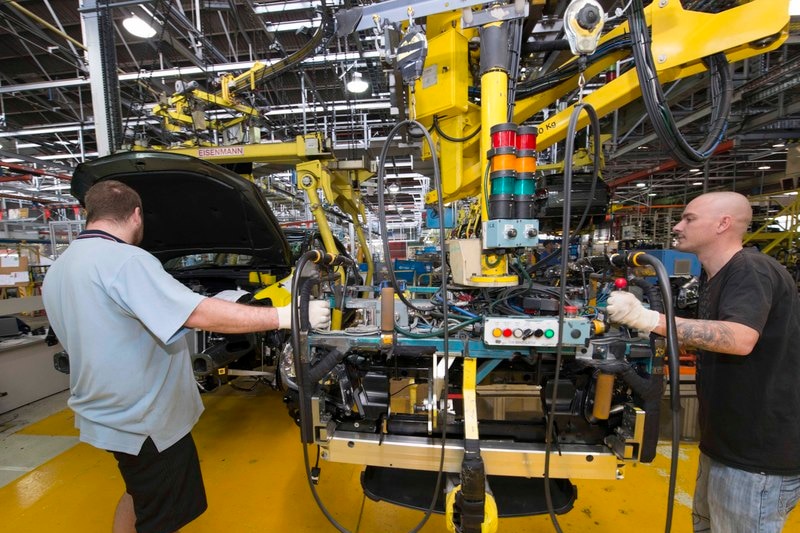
{"type": "Point", "coordinates": [750, 405]}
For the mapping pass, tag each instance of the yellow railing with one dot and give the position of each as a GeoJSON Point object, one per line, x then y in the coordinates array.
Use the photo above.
{"type": "Point", "coordinates": [778, 230]}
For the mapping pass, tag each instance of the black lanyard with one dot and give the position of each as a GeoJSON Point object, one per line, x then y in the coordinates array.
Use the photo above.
{"type": "Point", "coordinates": [98, 234]}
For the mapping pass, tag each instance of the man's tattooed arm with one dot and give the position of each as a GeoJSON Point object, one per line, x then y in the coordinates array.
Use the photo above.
{"type": "Point", "coordinates": [716, 336]}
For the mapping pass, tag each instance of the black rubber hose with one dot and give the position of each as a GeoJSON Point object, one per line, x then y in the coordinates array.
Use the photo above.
{"type": "Point", "coordinates": [673, 355]}
{"type": "Point", "coordinates": [322, 367]}
{"type": "Point", "coordinates": [306, 430]}
{"type": "Point", "coordinates": [545, 46]}
{"type": "Point", "coordinates": [305, 297]}
{"type": "Point", "coordinates": [650, 292]}
{"type": "Point", "coordinates": [649, 391]}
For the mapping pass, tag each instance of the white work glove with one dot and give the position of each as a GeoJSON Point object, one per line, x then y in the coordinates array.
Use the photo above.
{"type": "Point", "coordinates": [319, 315]}
{"type": "Point", "coordinates": [625, 308]}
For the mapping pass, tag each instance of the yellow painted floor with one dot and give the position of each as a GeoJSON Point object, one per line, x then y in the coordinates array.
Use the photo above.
{"type": "Point", "coordinates": [253, 469]}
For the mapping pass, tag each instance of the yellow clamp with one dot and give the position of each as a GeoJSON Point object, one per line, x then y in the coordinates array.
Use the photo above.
{"type": "Point", "coordinates": [490, 518]}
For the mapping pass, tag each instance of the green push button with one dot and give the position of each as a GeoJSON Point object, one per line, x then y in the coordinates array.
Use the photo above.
{"type": "Point", "coordinates": [549, 333]}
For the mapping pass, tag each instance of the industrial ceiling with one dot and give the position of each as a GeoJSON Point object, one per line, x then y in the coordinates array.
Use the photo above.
{"type": "Point", "coordinates": [47, 120]}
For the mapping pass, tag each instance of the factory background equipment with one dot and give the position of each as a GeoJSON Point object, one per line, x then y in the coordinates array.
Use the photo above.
{"type": "Point", "coordinates": [502, 122]}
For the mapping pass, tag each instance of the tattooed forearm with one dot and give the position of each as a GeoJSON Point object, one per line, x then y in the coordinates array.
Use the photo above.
{"type": "Point", "coordinates": [707, 335]}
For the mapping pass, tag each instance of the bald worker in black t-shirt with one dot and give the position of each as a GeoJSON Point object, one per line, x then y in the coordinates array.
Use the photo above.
{"type": "Point", "coordinates": [748, 375]}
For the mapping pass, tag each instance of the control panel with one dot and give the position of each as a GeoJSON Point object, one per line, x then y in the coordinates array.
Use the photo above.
{"type": "Point", "coordinates": [534, 331]}
{"type": "Point", "coordinates": [518, 233]}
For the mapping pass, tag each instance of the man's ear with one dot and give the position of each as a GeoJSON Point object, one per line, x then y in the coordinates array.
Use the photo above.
{"type": "Point", "coordinates": [725, 223]}
{"type": "Point", "coordinates": [137, 214]}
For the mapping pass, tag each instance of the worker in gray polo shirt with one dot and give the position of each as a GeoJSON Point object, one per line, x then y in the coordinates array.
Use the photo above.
{"type": "Point", "coordinates": [122, 319]}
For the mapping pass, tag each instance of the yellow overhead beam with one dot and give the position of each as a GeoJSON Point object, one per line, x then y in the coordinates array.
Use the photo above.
{"type": "Point", "coordinates": [304, 148]}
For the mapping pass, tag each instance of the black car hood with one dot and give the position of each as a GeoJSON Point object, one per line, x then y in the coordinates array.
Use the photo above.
{"type": "Point", "coordinates": [191, 206]}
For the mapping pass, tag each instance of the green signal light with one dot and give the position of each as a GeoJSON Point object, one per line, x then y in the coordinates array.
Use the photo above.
{"type": "Point", "coordinates": [549, 333]}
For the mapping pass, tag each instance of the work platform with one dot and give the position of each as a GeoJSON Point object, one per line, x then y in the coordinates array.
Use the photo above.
{"type": "Point", "coordinates": [253, 468]}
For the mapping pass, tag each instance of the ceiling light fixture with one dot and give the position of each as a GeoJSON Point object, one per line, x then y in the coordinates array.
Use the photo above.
{"type": "Point", "coordinates": [393, 188]}
{"type": "Point", "coordinates": [694, 170]}
{"type": "Point", "coordinates": [136, 26]}
{"type": "Point", "coordinates": [357, 84]}
{"type": "Point", "coordinates": [640, 185]}
{"type": "Point", "coordinates": [651, 194]}
{"type": "Point", "coordinates": [764, 167]}
{"type": "Point", "coordinates": [697, 184]}
{"type": "Point", "coordinates": [779, 145]}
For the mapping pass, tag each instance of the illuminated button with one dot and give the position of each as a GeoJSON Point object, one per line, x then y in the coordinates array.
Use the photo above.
{"type": "Point", "coordinates": [518, 333]}
{"type": "Point", "coordinates": [549, 333]}
{"type": "Point", "coordinates": [507, 332]}
{"type": "Point", "coordinates": [496, 332]}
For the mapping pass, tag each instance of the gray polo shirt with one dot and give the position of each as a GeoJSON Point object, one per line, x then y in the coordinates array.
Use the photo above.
{"type": "Point", "coordinates": [120, 317]}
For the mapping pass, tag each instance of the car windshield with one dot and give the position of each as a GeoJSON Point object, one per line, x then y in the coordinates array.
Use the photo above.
{"type": "Point", "coordinates": [208, 260]}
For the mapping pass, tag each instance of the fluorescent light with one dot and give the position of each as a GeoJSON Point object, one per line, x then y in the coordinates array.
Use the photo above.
{"type": "Point", "coordinates": [697, 183]}
{"type": "Point", "coordinates": [640, 185]}
{"type": "Point", "coordinates": [138, 27]}
{"type": "Point", "coordinates": [779, 145]}
{"type": "Point", "coordinates": [651, 194]}
{"type": "Point", "coordinates": [357, 84]}
{"type": "Point", "coordinates": [694, 170]}
{"type": "Point", "coordinates": [764, 167]}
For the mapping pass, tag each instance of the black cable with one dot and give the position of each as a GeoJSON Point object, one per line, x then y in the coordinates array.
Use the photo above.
{"type": "Point", "coordinates": [595, 125]}
{"type": "Point", "coordinates": [563, 73]}
{"type": "Point", "coordinates": [674, 375]}
{"type": "Point", "coordinates": [382, 204]}
{"type": "Point", "coordinates": [301, 385]}
{"type": "Point", "coordinates": [446, 137]}
{"type": "Point", "coordinates": [656, 102]}
{"type": "Point", "coordinates": [565, 232]}
{"type": "Point", "coordinates": [444, 273]}
{"type": "Point", "coordinates": [515, 47]}
{"type": "Point", "coordinates": [296, 344]}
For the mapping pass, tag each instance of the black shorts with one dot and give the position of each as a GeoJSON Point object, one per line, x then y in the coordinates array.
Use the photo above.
{"type": "Point", "coordinates": [167, 487]}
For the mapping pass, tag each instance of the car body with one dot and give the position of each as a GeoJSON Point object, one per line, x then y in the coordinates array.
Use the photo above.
{"type": "Point", "coordinates": [213, 230]}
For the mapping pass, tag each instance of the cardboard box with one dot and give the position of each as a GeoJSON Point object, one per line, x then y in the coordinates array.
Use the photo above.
{"type": "Point", "coordinates": [14, 271]}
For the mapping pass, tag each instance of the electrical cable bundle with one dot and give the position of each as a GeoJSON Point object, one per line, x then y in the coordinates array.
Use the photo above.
{"type": "Point", "coordinates": [565, 72]}
{"type": "Point", "coordinates": [656, 102]}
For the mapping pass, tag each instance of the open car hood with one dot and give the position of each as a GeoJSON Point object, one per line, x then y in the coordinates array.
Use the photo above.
{"type": "Point", "coordinates": [191, 206]}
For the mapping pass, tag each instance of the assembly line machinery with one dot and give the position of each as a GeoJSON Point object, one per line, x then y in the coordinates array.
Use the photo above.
{"type": "Point", "coordinates": [483, 395]}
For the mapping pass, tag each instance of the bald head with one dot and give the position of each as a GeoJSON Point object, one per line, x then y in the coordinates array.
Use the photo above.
{"type": "Point", "coordinates": [726, 204]}
{"type": "Point", "coordinates": [713, 226]}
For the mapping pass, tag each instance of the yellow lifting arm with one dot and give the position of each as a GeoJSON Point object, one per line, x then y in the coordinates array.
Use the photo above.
{"type": "Point", "coordinates": [681, 39]}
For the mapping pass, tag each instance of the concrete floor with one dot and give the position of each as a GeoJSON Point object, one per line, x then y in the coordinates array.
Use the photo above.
{"type": "Point", "coordinates": [253, 469]}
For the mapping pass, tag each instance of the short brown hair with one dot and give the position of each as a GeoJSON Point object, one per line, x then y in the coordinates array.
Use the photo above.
{"type": "Point", "coordinates": [111, 200]}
